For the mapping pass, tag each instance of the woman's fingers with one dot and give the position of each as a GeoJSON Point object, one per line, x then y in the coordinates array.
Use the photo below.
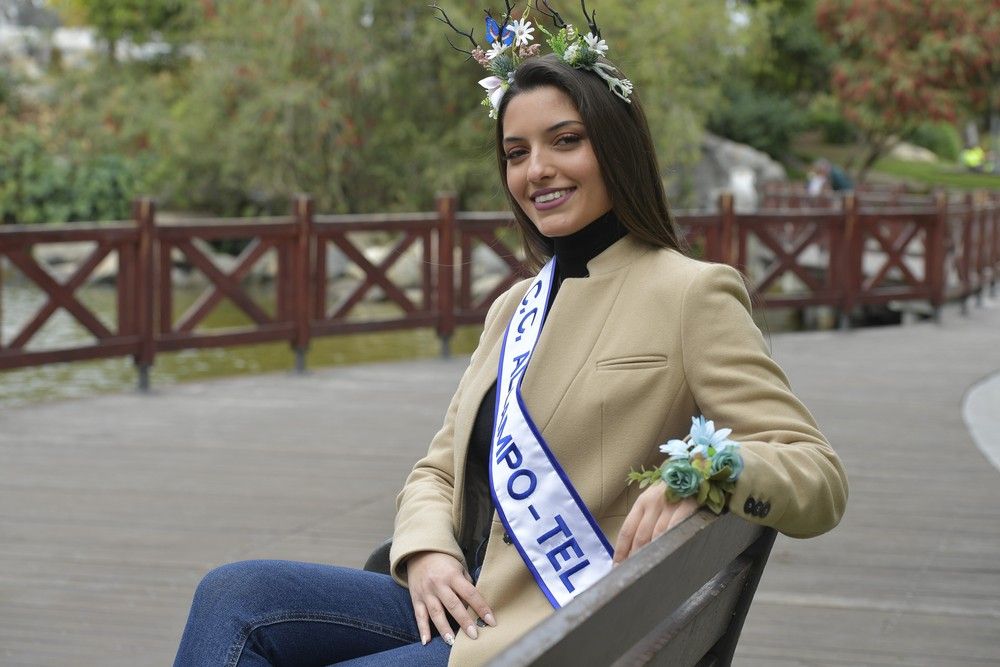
{"type": "Point", "coordinates": [470, 594]}
{"type": "Point", "coordinates": [420, 614]}
{"type": "Point", "coordinates": [662, 524]}
{"type": "Point", "coordinates": [436, 611]}
{"type": "Point", "coordinates": [449, 598]}
{"type": "Point", "coordinates": [624, 542]}
{"type": "Point", "coordinates": [683, 510]}
{"type": "Point", "coordinates": [439, 586]}
{"type": "Point", "coordinates": [650, 517]}
{"type": "Point", "coordinates": [644, 531]}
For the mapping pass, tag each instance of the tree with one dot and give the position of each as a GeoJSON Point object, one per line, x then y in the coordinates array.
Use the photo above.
{"type": "Point", "coordinates": [360, 102]}
{"type": "Point", "coordinates": [134, 20]}
{"type": "Point", "coordinates": [786, 64]}
{"type": "Point", "coordinates": [365, 104]}
{"type": "Point", "coordinates": [904, 62]}
{"type": "Point", "coordinates": [792, 59]}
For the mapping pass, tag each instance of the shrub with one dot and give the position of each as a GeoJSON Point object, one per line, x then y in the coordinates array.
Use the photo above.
{"type": "Point", "coordinates": [941, 138]}
{"type": "Point", "coordinates": [825, 116]}
{"type": "Point", "coordinates": [39, 187]}
{"type": "Point", "coordinates": [763, 120]}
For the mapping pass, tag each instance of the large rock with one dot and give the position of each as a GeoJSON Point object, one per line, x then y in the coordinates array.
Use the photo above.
{"type": "Point", "coordinates": [911, 153]}
{"type": "Point", "coordinates": [727, 166]}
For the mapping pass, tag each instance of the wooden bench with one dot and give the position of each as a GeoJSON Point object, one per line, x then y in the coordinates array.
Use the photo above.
{"type": "Point", "coordinates": [679, 601]}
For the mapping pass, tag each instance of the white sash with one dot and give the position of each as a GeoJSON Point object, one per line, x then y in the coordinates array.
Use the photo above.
{"type": "Point", "coordinates": [552, 529]}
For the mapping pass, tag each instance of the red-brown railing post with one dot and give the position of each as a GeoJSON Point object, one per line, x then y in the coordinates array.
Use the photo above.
{"type": "Point", "coordinates": [727, 218]}
{"type": "Point", "coordinates": [446, 204]}
{"type": "Point", "coordinates": [992, 212]}
{"type": "Point", "coordinates": [967, 256]}
{"type": "Point", "coordinates": [977, 230]}
{"type": "Point", "coordinates": [851, 259]}
{"type": "Point", "coordinates": [144, 214]}
{"type": "Point", "coordinates": [300, 277]}
{"type": "Point", "coordinates": [936, 255]}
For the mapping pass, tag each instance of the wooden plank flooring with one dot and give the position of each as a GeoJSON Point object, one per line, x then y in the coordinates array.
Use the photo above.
{"type": "Point", "coordinates": [112, 508]}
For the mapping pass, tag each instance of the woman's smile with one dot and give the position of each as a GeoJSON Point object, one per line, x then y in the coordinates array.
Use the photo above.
{"type": "Point", "coordinates": [549, 198]}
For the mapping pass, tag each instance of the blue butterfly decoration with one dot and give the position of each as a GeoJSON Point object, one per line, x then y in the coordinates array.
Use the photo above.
{"type": "Point", "coordinates": [493, 32]}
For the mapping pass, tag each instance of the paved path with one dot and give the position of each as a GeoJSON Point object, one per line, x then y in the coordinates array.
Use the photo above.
{"type": "Point", "coordinates": [112, 508]}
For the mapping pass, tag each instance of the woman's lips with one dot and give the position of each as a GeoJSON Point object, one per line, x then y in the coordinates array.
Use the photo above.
{"type": "Point", "coordinates": [559, 201]}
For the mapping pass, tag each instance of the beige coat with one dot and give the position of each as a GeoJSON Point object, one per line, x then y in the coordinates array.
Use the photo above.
{"type": "Point", "coordinates": [626, 358]}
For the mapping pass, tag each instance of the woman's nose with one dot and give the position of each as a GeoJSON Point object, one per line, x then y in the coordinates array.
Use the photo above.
{"type": "Point", "coordinates": [540, 167]}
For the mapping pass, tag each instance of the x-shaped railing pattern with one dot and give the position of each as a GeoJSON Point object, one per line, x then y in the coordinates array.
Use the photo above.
{"type": "Point", "coordinates": [486, 233]}
{"type": "Point", "coordinates": [59, 295]}
{"type": "Point", "coordinates": [223, 285]}
{"type": "Point", "coordinates": [893, 238]}
{"type": "Point", "coordinates": [376, 275]}
{"type": "Point", "coordinates": [787, 240]}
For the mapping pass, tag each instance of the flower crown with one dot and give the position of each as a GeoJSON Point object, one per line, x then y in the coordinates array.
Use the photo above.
{"type": "Point", "coordinates": [510, 45]}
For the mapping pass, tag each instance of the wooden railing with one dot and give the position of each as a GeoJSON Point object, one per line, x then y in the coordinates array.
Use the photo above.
{"type": "Point", "coordinates": [840, 256]}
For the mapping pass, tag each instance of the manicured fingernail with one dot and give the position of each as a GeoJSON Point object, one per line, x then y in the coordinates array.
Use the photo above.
{"type": "Point", "coordinates": [423, 640]}
{"type": "Point", "coordinates": [471, 631]}
{"type": "Point", "coordinates": [449, 639]}
{"type": "Point", "coordinates": [492, 622]}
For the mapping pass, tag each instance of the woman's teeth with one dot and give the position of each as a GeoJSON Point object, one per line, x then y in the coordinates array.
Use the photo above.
{"type": "Point", "coordinates": [541, 199]}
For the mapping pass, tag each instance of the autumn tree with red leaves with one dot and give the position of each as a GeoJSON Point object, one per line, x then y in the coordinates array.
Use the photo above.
{"type": "Point", "coordinates": [904, 62]}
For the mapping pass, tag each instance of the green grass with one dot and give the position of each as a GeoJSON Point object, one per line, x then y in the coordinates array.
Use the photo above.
{"type": "Point", "coordinates": [937, 173]}
{"type": "Point", "coordinates": [808, 146]}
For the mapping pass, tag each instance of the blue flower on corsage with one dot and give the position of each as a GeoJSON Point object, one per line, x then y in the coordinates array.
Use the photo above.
{"type": "Point", "coordinates": [705, 464]}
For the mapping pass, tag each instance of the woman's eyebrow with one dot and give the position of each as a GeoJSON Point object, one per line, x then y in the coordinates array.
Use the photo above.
{"type": "Point", "coordinates": [561, 124]}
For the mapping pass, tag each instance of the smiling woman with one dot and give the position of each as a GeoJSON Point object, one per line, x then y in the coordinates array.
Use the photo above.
{"type": "Point", "coordinates": [581, 371]}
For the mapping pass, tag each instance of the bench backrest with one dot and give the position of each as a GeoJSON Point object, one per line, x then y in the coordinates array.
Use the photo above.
{"type": "Point", "coordinates": [679, 601]}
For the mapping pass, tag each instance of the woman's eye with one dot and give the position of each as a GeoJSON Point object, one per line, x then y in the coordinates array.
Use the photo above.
{"type": "Point", "coordinates": [568, 139]}
{"type": "Point", "coordinates": [513, 155]}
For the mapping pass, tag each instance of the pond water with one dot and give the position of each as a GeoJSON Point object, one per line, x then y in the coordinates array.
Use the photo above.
{"type": "Point", "coordinates": [79, 379]}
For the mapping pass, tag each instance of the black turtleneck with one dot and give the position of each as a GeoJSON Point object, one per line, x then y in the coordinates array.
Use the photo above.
{"type": "Point", "coordinates": [572, 253]}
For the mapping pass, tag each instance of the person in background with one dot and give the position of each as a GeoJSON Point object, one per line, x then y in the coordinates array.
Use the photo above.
{"type": "Point", "coordinates": [830, 176]}
{"type": "Point", "coordinates": [973, 158]}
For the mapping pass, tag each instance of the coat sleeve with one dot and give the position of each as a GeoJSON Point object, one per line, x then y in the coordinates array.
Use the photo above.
{"type": "Point", "coordinates": [424, 507]}
{"type": "Point", "coordinates": [792, 479]}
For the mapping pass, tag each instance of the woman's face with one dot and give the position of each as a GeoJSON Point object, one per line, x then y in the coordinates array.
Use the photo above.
{"type": "Point", "coordinates": [552, 171]}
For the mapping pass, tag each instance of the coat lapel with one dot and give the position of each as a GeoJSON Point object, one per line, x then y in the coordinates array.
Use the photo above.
{"type": "Point", "coordinates": [573, 326]}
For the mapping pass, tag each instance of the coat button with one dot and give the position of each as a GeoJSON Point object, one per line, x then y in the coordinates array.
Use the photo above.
{"type": "Point", "coordinates": [766, 509]}
{"type": "Point", "coordinates": [758, 509]}
{"type": "Point", "coordinates": [480, 622]}
{"type": "Point", "coordinates": [506, 538]}
{"type": "Point", "coordinates": [749, 505]}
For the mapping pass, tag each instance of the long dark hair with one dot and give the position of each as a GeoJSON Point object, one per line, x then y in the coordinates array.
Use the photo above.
{"type": "Point", "coordinates": [619, 135]}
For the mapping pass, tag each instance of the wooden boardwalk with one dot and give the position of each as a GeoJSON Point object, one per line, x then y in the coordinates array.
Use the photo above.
{"type": "Point", "coordinates": [112, 508]}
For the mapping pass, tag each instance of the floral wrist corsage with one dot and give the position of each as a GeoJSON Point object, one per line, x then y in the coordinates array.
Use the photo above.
{"type": "Point", "coordinates": [705, 463]}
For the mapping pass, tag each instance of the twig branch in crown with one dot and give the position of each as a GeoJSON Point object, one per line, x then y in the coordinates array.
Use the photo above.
{"type": "Point", "coordinates": [510, 44]}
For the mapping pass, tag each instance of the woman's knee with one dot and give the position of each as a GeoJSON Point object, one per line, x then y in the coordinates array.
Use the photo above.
{"type": "Point", "coordinates": [233, 584]}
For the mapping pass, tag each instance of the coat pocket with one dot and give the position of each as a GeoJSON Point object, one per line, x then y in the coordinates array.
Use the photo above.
{"type": "Point", "coordinates": [636, 361]}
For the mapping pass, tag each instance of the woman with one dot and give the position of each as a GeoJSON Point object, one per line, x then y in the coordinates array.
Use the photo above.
{"type": "Point", "coordinates": [637, 339]}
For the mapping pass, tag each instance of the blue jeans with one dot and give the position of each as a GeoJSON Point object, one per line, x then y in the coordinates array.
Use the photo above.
{"type": "Point", "coordinates": [268, 612]}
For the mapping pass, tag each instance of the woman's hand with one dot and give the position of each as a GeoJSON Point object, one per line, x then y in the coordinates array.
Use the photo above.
{"type": "Point", "coordinates": [650, 517]}
{"type": "Point", "coordinates": [438, 583]}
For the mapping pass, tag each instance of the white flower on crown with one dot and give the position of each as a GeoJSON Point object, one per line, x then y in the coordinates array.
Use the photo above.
{"type": "Point", "coordinates": [571, 52]}
{"type": "Point", "coordinates": [522, 32]}
{"type": "Point", "coordinates": [495, 50]}
{"type": "Point", "coordinates": [596, 43]}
